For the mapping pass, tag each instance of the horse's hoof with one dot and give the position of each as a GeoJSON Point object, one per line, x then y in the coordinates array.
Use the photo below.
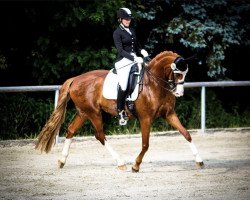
{"type": "Point", "coordinates": [200, 165]}
{"type": "Point", "coordinates": [134, 170]}
{"type": "Point", "coordinates": [60, 164]}
{"type": "Point", "coordinates": [122, 167]}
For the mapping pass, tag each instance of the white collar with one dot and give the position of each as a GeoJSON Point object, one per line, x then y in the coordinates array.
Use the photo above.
{"type": "Point", "coordinates": [126, 29]}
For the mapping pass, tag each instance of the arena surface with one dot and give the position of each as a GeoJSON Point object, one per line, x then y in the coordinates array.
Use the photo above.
{"type": "Point", "coordinates": [168, 170]}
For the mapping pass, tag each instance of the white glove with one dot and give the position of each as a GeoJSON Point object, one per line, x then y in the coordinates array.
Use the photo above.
{"type": "Point", "coordinates": [138, 59]}
{"type": "Point", "coordinates": [144, 53]}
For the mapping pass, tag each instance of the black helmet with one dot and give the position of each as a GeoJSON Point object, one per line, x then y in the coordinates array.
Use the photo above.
{"type": "Point", "coordinates": [124, 13]}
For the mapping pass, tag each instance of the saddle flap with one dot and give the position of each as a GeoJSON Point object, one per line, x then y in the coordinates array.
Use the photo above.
{"type": "Point", "coordinates": [110, 85]}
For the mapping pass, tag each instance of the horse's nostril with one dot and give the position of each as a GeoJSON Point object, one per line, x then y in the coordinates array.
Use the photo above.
{"type": "Point", "coordinates": [179, 94]}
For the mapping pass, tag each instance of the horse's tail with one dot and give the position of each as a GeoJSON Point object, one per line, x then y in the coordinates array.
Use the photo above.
{"type": "Point", "coordinates": [46, 137]}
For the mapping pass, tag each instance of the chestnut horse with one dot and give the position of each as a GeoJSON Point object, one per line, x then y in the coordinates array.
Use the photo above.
{"type": "Point", "coordinates": [162, 82]}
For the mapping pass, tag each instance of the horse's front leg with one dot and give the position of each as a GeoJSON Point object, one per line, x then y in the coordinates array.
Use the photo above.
{"type": "Point", "coordinates": [174, 121]}
{"type": "Point", "coordinates": [145, 131]}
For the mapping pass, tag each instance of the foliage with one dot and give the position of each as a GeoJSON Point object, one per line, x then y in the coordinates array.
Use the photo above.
{"type": "Point", "coordinates": [217, 116]}
{"type": "Point", "coordinates": [22, 117]}
{"type": "Point", "coordinates": [76, 36]}
{"type": "Point", "coordinates": [188, 109]}
{"type": "Point", "coordinates": [57, 40]}
{"type": "Point", "coordinates": [215, 25]}
{"type": "Point", "coordinates": [208, 28]}
{"type": "Point", "coordinates": [3, 64]}
{"type": "Point", "coordinates": [70, 62]}
{"type": "Point", "coordinates": [82, 46]}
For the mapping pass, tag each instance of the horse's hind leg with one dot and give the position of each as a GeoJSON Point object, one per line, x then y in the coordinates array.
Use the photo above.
{"type": "Point", "coordinates": [174, 121]}
{"type": "Point", "coordinates": [75, 125]}
{"type": "Point", "coordinates": [97, 122]}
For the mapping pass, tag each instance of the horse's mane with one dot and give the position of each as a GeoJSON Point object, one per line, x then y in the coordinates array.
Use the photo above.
{"type": "Point", "coordinates": [162, 55]}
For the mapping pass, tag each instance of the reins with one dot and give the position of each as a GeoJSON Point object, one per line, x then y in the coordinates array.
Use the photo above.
{"type": "Point", "coordinates": [170, 83]}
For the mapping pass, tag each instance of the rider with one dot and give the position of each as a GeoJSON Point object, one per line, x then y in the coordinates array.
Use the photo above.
{"type": "Point", "coordinates": [127, 51]}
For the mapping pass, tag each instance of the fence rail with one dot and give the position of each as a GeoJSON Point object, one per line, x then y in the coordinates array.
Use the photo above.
{"type": "Point", "coordinates": [203, 86]}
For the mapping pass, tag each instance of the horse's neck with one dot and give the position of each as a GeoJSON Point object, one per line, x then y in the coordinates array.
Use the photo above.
{"type": "Point", "coordinates": [154, 78]}
{"type": "Point", "coordinates": [158, 73]}
{"type": "Point", "coordinates": [160, 65]}
{"type": "Point", "coordinates": [156, 70]}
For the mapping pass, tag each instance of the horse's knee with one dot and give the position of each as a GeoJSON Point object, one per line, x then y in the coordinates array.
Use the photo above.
{"type": "Point", "coordinates": [145, 147]}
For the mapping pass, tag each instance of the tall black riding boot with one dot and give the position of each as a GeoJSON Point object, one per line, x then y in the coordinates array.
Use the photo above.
{"type": "Point", "coordinates": [123, 118]}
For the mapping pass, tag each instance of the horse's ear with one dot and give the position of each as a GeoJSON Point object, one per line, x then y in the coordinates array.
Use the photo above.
{"type": "Point", "coordinates": [173, 66]}
{"type": "Point", "coordinates": [191, 58]}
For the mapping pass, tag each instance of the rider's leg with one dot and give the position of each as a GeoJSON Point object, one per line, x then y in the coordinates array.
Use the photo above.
{"type": "Point", "coordinates": [121, 106]}
{"type": "Point", "coordinates": [123, 68]}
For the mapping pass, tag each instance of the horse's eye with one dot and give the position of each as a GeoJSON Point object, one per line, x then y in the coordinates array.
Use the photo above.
{"type": "Point", "coordinates": [178, 76]}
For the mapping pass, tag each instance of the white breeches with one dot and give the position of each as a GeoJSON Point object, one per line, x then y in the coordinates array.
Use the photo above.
{"type": "Point", "coordinates": [123, 68]}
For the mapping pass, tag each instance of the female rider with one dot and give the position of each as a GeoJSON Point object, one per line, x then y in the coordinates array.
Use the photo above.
{"type": "Point", "coordinates": [127, 51]}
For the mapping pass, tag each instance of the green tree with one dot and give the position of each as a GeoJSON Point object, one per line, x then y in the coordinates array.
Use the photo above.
{"type": "Point", "coordinates": [215, 26]}
{"type": "Point", "coordinates": [78, 39]}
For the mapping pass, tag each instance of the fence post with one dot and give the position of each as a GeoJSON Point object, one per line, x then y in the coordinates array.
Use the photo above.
{"type": "Point", "coordinates": [203, 109]}
{"type": "Point", "coordinates": [55, 105]}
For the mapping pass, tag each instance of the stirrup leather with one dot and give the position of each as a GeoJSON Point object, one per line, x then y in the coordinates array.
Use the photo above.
{"type": "Point", "coordinates": [123, 118]}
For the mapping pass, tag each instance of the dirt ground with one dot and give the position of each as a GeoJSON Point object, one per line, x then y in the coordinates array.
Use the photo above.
{"type": "Point", "coordinates": [168, 170]}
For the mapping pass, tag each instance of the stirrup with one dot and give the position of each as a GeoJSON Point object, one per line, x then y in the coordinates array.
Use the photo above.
{"type": "Point", "coordinates": [123, 118]}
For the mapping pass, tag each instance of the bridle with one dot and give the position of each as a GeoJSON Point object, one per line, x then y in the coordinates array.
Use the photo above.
{"type": "Point", "coordinates": [176, 68]}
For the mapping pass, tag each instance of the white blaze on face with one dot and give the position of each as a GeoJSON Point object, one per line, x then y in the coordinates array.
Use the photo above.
{"type": "Point", "coordinates": [179, 91]}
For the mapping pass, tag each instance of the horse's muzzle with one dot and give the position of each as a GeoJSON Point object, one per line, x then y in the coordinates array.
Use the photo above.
{"type": "Point", "coordinates": [179, 91]}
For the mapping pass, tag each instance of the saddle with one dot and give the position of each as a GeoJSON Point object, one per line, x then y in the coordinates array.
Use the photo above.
{"type": "Point", "coordinates": [110, 86]}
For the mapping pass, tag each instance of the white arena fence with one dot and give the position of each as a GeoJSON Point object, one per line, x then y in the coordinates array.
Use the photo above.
{"type": "Point", "coordinates": [202, 85]}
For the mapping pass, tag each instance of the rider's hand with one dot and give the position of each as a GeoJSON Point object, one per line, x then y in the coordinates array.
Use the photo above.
{"type": "Point", "coordinates": [138, 59]}
{"type": "Point", "coordinates": [144, 53]}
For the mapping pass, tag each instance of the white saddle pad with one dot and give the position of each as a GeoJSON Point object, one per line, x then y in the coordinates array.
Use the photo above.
{"type": "Point", "coordinates": [110, 87]}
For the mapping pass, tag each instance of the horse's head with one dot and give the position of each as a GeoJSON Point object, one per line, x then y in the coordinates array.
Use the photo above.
{"type": "Point", "coordinates": [176, 77]}
{"type": "Point", "coordinates": [170, 69]}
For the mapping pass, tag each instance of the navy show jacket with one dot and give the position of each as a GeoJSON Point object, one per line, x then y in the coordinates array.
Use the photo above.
{"type": "Point", "coordinates": [125, 43]}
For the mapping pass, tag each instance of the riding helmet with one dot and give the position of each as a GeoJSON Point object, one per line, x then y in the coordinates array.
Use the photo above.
{"type": "Point", "coordinates": [124, 13]}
